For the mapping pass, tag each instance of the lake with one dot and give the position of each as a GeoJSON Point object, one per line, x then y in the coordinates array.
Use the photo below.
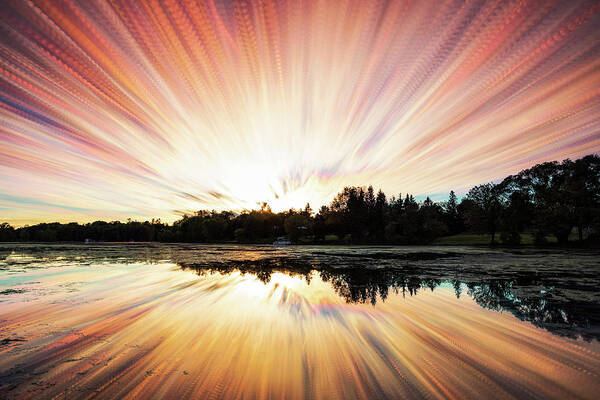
{"type": "Point", "coordinates": [229, 321]}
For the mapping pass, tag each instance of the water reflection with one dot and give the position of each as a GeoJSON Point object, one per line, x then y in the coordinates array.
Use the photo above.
{"type": "Point", "coordinates": [553, 290]}
{"type": "Point", "coordinates": [258, 322]}
{"type": "Point", "coordinates": [530, 296]}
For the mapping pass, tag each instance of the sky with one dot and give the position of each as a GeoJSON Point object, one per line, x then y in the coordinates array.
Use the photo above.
{"type": "Point", "coordinates": [140, 109]}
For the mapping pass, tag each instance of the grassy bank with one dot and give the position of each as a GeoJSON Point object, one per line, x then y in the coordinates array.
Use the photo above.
{"type": "Point", "coordinates": [472, 239]}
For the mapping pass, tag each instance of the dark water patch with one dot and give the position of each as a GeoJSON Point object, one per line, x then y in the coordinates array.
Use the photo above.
{"type": "Point", "coordinates": [410, 256]}
{"type": "Point", "coordinates": [11, 291]}
{"type": "Point", "coordinates": [8, 341]}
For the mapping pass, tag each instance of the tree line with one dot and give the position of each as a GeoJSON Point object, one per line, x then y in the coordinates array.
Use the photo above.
{"type": "Point", "coordinates": [549, 200]}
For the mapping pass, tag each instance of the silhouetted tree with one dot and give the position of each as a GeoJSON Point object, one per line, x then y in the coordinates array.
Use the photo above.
{"type": "Point", "coordinates": [451, 216]}
{"type": "Point", "coordinates": [485, 215]}
{"type": "Point", "coordinates": [7, 233]}
{"type": "Point", "coordinates": [379, 217]}
{"type": "Point", "coordinates": [545, 183]}
{"type": "Point", "coordinates": [296, 225]}
{"type": "Point", "coordinates": [319, 225]}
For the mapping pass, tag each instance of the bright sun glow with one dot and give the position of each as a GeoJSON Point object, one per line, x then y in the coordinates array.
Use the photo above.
{"type": "Point", "coordinates": [158, 109]}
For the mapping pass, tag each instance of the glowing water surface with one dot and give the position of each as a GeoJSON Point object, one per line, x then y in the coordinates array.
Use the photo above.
{"type": "Point", "coordinates": [252, 322]}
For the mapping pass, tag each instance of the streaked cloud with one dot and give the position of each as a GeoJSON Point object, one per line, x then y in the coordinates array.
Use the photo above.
{"type": "Point", "coordinates": [126, 108]}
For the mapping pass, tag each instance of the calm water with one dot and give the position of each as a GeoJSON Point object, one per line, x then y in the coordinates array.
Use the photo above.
{"type": "Point", "coordinates": [189, 321]}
